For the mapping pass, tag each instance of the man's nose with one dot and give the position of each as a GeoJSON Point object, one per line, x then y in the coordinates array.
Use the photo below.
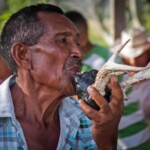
{"type": "Point", "coordinates": [77, 51]}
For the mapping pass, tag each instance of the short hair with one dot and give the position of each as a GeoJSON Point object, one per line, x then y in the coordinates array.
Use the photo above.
{"type": "Point", "coordinates": [78, 19]}
{"type": "Point", "coordinates": [24, 26]}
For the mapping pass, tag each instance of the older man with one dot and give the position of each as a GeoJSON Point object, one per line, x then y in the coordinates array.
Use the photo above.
{"type": "Point", "coordinates": [42, 47]}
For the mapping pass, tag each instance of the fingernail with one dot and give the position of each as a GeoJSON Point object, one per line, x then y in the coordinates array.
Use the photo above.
{"type": "Point", "coordinates": [79, 100]}
{"type": "Point", "coordinates": [90, 88]}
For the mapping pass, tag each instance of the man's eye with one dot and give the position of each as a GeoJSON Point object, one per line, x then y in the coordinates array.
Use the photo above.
{"type": "Point", "coordinates": [63, 41]}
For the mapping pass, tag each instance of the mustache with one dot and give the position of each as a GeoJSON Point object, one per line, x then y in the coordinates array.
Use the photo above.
{"type": "Point", "coordinates": [73, 62]}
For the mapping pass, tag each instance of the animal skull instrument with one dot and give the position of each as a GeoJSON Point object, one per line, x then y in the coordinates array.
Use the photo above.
{"type": "Point", "coordinates": [101, 78]}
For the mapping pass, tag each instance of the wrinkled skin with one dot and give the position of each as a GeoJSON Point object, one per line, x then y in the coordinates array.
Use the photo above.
{"type": "Point", "coordinates": [45, 73]}
{"type": "Point", "coordinates": [59, 52]}
{"type": "Point", "coordinates": [106, 120]}
{"type": "Point", "coordinates": [45, 76]}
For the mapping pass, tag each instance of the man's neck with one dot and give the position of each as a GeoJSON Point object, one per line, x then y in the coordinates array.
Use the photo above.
{"type": "Point", "coordinates": [35, 102]}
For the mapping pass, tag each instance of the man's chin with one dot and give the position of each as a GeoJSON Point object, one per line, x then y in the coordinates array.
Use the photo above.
{"type": "Point", "coordinates": [71, 87]}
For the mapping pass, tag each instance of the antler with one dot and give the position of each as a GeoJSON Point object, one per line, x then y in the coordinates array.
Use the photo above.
{"type": "Point", "coordinates": [111, 68]}
{"type": "Point", "coordinates": [136, 78]}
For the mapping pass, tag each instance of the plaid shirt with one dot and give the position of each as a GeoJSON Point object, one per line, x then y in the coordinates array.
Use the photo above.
{"type": "Point", "coordinates": [75, 126]}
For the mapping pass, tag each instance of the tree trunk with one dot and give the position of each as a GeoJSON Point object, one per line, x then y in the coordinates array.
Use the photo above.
{"type": "Point", "coordinates": [117, 18]}
{"type": "Point", "coordinates": [134, 13]}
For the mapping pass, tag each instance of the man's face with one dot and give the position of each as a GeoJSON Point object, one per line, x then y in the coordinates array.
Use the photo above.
{"type": "Point", "coordinates": [57, 57]}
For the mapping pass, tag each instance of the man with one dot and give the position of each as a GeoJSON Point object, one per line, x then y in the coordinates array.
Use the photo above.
{"type": "Point", "coordinates": [42, 47]}
{"type": "Point", "coordinates": [94, 55]}
{"type": "Point", "coordinates": [134, 132]}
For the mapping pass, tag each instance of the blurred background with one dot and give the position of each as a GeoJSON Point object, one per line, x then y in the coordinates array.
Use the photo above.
{"type": "Point", "coordinates": [106, 18]}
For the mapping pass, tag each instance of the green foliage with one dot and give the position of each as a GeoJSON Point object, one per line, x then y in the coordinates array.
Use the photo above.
{"type": "Point", "coordinates": [14, 5]}
{"type": "Point", "coordinates": [97, 39]}
{"type": "Point", "coordinates": [146, 22]}
{"type": "Point", "coordinates": [3, 19]}
{"type": "Point", "coordinates": [145, 15]}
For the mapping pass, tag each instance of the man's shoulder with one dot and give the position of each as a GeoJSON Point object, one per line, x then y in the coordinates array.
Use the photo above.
{"type": "Point", "coordinates": [70, 108]}
{"type": "Point", "coordinates": [6, 105]}
{"type": "Point", "coordinates": [77, 124]}
{"type": "Point", "coordinates": [71, 104]}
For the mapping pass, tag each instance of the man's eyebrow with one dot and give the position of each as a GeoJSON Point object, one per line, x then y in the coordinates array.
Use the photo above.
{"type": "Point", "coordinates": [63, 34]}
{"type": "Point", "coordinates": [66, 34]}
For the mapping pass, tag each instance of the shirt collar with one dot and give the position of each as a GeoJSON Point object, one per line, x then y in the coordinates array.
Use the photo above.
{"type": "Point", "coordinates": [6, 104]}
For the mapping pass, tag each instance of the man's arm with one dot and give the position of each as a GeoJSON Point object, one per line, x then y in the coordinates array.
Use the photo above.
{"type": "Point", "coordinates": [106, 120]}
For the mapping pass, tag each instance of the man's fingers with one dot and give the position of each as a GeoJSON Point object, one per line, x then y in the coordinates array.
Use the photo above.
{"type": "Point", "coordinates": [99, 99]}
{"type": "Point", "coordinates": [88, 110]}
{"type": "Point", "coordinates": [117, 95]}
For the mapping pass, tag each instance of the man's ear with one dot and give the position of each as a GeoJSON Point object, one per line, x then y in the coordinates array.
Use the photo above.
{"type": "Point", "coordinates": [21, 55]}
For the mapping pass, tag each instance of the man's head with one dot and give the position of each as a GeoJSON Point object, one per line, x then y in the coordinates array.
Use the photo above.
{"type": "Point", "coordinates": [80, 22]}
{"type": "Point", "coordinates": [24, 26]}
{"type": "Point", "coordinates": [137, 51]}
{"type": "Point", "coordinates": [44, 45]}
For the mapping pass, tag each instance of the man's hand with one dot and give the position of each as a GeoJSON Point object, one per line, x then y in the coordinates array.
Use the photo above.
{"type": "Point", "coordinates": [106, 120]}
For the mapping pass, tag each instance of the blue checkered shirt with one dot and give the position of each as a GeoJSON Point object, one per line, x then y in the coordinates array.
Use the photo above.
{"type": "Point", "coordinates": [75, 131]}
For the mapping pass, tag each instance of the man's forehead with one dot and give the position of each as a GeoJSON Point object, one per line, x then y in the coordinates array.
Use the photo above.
{"type": "Point", "coordinates": [55, 22]}
{"type": "Point", "coordinates": [53, 18]}
{"type": "Point", "coordinates": [43, 15]}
